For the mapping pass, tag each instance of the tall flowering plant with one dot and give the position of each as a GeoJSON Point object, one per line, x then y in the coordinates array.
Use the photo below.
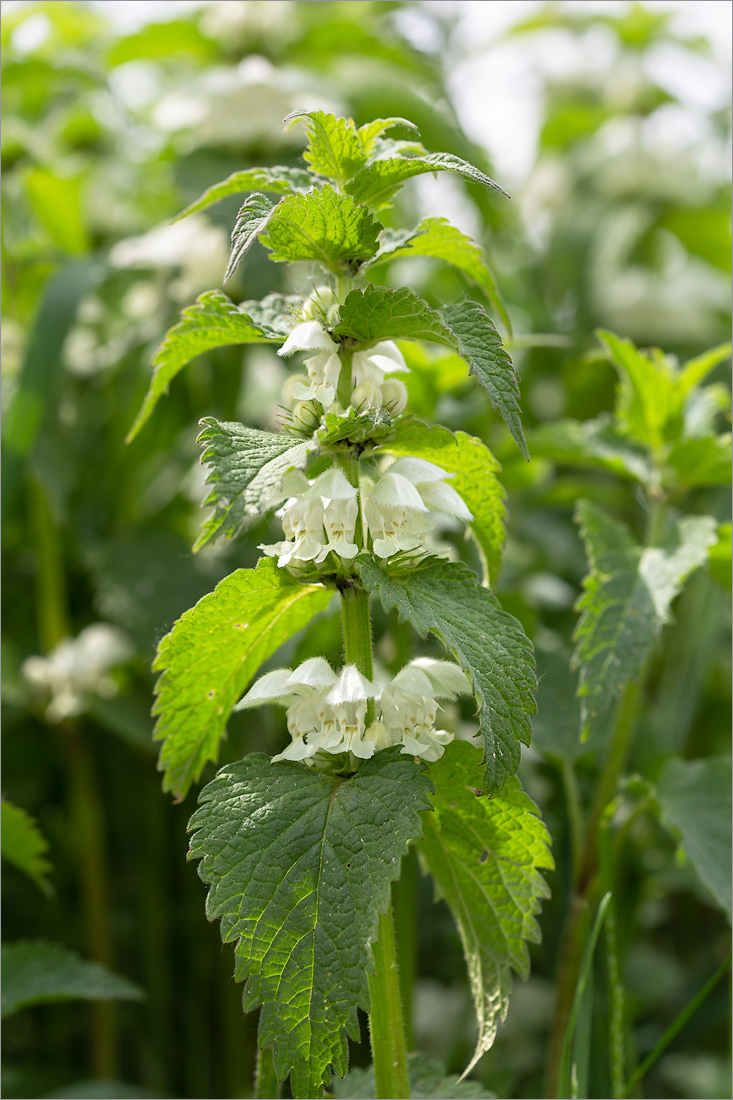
{"type": "Point", "coordinates": [300, 851]}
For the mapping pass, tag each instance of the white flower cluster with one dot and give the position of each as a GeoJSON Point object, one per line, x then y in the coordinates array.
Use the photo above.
{"type": "Point", "coordinates": [399, 510]}
{"type": "Point", "coordinates": [371, 392]}
{"type": "Point", "coordinates": [327, 713]}
{"type": "Point", "coordinates": [77, 669]}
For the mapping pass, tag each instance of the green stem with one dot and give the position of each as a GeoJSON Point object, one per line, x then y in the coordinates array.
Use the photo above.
{"type": "Point", "coordinates": [386, 1020]}
{"type": "Point", "coordinates": [616, 993]}
{"type": "Point", "coordinates": [575, 818]}
{"type": "Point", "coordinates": [267, 1086]}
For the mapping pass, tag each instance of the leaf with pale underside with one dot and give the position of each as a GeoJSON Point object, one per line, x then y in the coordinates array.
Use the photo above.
{"type": "Point", "coordinates": [627, 599]}
{"type": "Point", "coordinates": [485, 856]}
{"type": "Point", "coordinates": [36, 972]}
{"type": "Point", "coordinates": [334, 146]}
{"type": "Point", "coordinates": [211, 654]}
{"type": "Point", "coordinates": [377, 183]}
{"type": "Point", "coordinates": [474, 471]}
{"type": "Point", "coordinates": [322, 226]}
{"type": "Point", "coordinates": [437, 239]}
{"type": "Point", "coordinates": [445, 598]}
{"type": "Point", "coordinates": [213, 321]}
{"type": "Point", "coordinates": [246, 468]}
{"type": "Point", "coordinates": [24, 845]}
{"type": "Point", "coordinates": [299, 864]}
{"type": "Point", "coordinates": [278, 180]}
{"type": "Point", "coordinates": [252, 218]}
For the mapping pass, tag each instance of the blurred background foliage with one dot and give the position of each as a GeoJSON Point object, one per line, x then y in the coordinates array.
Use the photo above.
{"type": "Point", "coordinates": [622, 222]}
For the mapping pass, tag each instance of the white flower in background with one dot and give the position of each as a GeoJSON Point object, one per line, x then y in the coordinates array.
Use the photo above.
{"type": "Point", "coordinates": [198, 248]}
{"type": "Point", "coordinates": [323, 368]}
{"type": "Point", "coordinates": [399, 505]}
{"type": "Point", "coordinates": [319, 517]}
{"type": "Point", "coordinates": [327, 713]}
{"type": "Point", "coordinates": [77, 669]}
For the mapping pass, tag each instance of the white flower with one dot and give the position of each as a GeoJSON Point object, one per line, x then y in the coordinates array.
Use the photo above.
{"type": "Point", "coordinates": [321, 305]}
{"type": "Point", "coordinates": [323, 368]}
{"type": "Point", "coordinates": [407, 707]}
{"type": "Point", "coordinates": [78, 668]}
{"type": "Point", "coordinates": [371, 364]}
{"type": "Point", "coordinates": [398, 506]}
{"type": "Point", "coordinates": [319, 517]}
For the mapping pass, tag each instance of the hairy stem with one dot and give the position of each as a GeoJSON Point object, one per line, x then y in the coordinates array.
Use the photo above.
{"type": "Point", "coordinates": [386, 1020]}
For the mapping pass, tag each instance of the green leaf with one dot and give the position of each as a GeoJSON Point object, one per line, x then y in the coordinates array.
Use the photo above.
{"type": "Point", "coordinates": [212, 653]}
{"type": "Point", "coordinates": [438, 239]}
{"type": "Point", "coordinates": [480, 345]}
{"type": "Point", "coordinates": [334, 147]}
{"type": "Point", "coordinates": [485, 857]}
{"type": "Point", "coordinates": [353, 427]}
{"type": "Point", "coordinates": [719, 562]}
{"type": "Point", "coordinates": [594, 443]}
{"type": "Point", "coordinates": [371, 131]}
{"type": "Point", "coordinates": [628, 594]}
{"type": "Point", "coordinates": [278, 180]}
{"type": "Point", "coordinates": [445, 598]}
{"type": "Point", "coordinates": [695, 798]}
{"type": "Point", "coordinates": [377, 183]}
{"type": "Point", "coordinates": [696, 370]}
{"type": "Point", "coordinates": [474, 469]}
{"type": "Point", "coordinates": [324, 226]}
{"type": "Point", "coordinates": [252, 218]}
{"type": "Point", "coordinates": [705, 460]}
{"type": "Point", "coordinates": [36, 972]}
{"type": "Point", "coordinates": [556, 724]}
{"type": "Point", "coordinates": [24, 845]}
{"type": "Point", "coordinates": [246, 466]}
{"type": "Point", "coordinates": [299, 864]}
{"type": "Point", "coordinates": [213, 321]}
{"type": "Point", "coordinates": [428, 1081]}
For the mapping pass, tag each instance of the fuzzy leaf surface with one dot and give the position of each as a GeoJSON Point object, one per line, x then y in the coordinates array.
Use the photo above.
{"type": "Point", "coordinates": [480, 345]}
{"type": "Point", "coordinates": [252, 218]}
{"type": "Point", "coordinates": [438, 239]}
{"type": "Point", "coordinates": [299, 865]}
{"type": "Point", "coordinates": [378, 182]}
{"type": "Point", "coordinates": [36, 972]}
{"type": "Point", "coordinates": [370, 132]}
{"type": "Point", "coordinates": [485, 856]}
{"type": "Point", "coordinates": [24, 845]}
{"type": "Point", "coordinates": [278, 180]}
{"type": "Point", "coordinates": [335, 148]}
{"type": "Point", "coordinates": [428, 1081]}
{"type": "Point", "coordinates": [628, 594]}
{"type": "Point", "coordinates": [378, 313]}
{"type": "Point", "coordinates": [474, 470]}
{"type": "Point", "coordinates": [213, 321]}
{"type": "Point", "coordinates": [592, 443]}
{"type": "Point", "coordinates": [695, 798]}
{"type": "Point", "coordinates": [246, 467]}
{"type": "Point", "coordinates": [445, 598]}
{"type": "Point", "coordinates": [211, 654]}
{"type": "Point", "coordinates": [324, 226]}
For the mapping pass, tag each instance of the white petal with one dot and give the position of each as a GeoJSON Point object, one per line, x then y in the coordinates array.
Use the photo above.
{"type": "Point", "coordinates": [334, 485]}
{"type": "Point", "coordinates": [384, 356]}
{"type": "Point", "coordinates": [446, 677]}
{"type": "Point", "coordinates": [315, 672]}
{"type": "Point", "coordinates": [310, 336]}
{"type": "Point", "coordinates": [271, 686]}
{"type": "Point", "coordinates": [395, 491]}
{"type": "Point", "coordinates": [440, 497]}
{"type": "Point", "coordinates": [350, 687]}
{"type": "Point", "coordinates": [296, 750]}
{"type": "Point", "coordinates": [294, 482]}
{"type": "Point", "coordinates": [412, 679]}
{"type": "Point", "coordinates": [418, 470]}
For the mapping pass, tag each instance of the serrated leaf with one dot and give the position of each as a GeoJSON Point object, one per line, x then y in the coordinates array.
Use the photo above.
{"type": "Point", "coordinates": [324, 226]}
{"type": "Point", "coordinates": [334, 147]}
{"type": "Point", "coordinates": [371, 131]}
{"type": "Point", "coordinates": [246, 467]}
{"type": "Point", "coordinates": [594, 443]}
{"type": "Point", "coordinates": [278, 180]}
{"type": "Point", "coordinates": [474, 469]}
{"type": "Point", "coordinates": [252, 218]}
{"type": "Point", "coordinates": [480, 345]}
{"type": "Point", "coordinates": [213, 321]}
{"type": "Point", "coordinates": [24, 845]}
{"type": "Point", "coordinates": [485, 857]}
{"type": "Point", "coordinates": [694, 371]}
{"type": "Point", "coordinates": [445, 598]}
{"type": "Point", "coordinates": [212, 653]}
{"type": "Point", "coordinates": [377, 183]}
{"type": "Point", "coordinates": [439, 240]}
{"type": "Point", "coordinates": [378, 313]}
{"type": "Point", "coordinates": [353, 427]}
{"type": "Point", "coordinates": [428, 1081]}
{"type": "Point", "coordinates": [628, 594]}
{"type": "Point", "coordinates": [695, 797]}
{"type": "Point", "coordinates": [705, 460]}
{"type": "Point", "coordinates": [299, 864]}
{"type": "Point", "coordinates": [36, 972]}
{"type": "Point", "coordinates": [647, 399]}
